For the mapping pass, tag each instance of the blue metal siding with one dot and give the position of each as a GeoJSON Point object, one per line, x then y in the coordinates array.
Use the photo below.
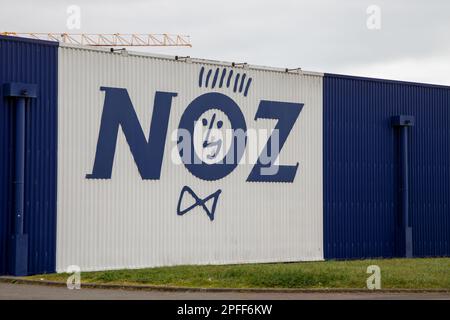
{"type": "Point", "coordinates": [30, 61]}
{"type": "Point", "coordinates": [361, 209]}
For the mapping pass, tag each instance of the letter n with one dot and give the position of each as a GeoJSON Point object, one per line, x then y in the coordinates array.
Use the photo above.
{"type": "Point", "coordinates": [118, 111]}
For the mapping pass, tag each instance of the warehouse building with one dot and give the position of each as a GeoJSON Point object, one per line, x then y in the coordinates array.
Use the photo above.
{"type": "Point", "coordinates": [95, 171]}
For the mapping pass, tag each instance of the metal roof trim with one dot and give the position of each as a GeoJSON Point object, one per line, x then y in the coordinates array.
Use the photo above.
{"type": "Point", "coordinates": [194, 60]}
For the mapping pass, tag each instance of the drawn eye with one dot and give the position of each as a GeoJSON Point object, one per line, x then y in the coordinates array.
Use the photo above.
{"type": "Point", "coordinates": [204, 122]}
{"type": "Point", "coordinates": [219, 124]}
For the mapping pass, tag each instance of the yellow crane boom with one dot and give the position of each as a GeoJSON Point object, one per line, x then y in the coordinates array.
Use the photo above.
{"type": "Point", "coordinates": [110, 40]}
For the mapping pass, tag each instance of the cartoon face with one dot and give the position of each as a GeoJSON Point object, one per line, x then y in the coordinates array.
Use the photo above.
{"type": "Point", "coordinates": [210, 136]}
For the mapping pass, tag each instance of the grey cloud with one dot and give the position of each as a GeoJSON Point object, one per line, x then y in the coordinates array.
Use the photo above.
{"type": "Point", "coordinates": [323, 35]}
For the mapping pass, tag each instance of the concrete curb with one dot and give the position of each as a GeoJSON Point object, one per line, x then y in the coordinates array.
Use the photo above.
{"type": "Point", "coordinates": [20, 280]}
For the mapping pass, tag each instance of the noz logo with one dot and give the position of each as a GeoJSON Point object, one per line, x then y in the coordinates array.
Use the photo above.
{"type": "Point", "coordinates": [209, 111]}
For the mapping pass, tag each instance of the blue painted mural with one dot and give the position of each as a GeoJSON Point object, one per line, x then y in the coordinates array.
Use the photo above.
{"type": "Point", "coordinates": [118, 111]}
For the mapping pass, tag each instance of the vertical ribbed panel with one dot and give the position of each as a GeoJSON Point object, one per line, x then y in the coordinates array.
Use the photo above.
{"type": "Point", "coordinates": [35, 62]}
{"type": "Point", "coordinates": [127, 222]}
{"type": "Point", "coordinates": [361, 209]}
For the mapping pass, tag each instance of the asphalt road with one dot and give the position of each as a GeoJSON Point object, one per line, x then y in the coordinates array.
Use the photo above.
{"type": "Point", "coordinates": [23, 291]}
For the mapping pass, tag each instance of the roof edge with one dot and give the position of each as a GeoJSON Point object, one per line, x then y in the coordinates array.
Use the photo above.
{"type": "Point", "coordinates": [392, 81]}
{"type": "Point", "coordinates": [192, 60]}
{"type": "Point", "coordinates": [29, 40]}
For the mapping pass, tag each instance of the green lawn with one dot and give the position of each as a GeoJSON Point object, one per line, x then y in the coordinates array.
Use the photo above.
{"type": "Point", "coordinates": [395, 273]}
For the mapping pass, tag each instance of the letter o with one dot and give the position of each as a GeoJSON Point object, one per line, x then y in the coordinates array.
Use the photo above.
{"type": "Point", "coordinates": [192, 113]}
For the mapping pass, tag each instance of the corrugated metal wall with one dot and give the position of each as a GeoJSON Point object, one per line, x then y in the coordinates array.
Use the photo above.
{"type": "Point", "coordinates": [127, 222]}
{"type": "Point", "coordinates": [31, 62]}
{"type": "Point", "coordinates": [361, 213]}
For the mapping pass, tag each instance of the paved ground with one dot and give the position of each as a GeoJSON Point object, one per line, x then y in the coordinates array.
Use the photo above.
{"type": "Point", "coordinates": [23, 291]}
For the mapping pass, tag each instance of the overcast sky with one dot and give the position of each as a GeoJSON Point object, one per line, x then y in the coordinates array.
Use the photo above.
{"type": "Point", "coordinates": [319, 35]}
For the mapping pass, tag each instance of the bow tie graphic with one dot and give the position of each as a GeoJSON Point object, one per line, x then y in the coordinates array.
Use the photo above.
{"type": "Point", "coordinates": [198, 202]}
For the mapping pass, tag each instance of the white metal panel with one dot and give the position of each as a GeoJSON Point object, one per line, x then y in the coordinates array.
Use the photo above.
{"type": "Point", "coordinates": [128, 222]}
